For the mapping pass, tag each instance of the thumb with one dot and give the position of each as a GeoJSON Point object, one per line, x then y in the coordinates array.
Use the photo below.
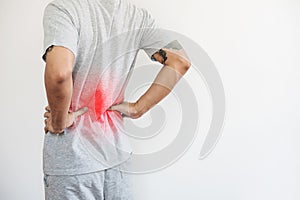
{"type": "Point", "coordinates": [122, 107]}
{"type": "Point", "coordinates": [119, 107]}
{"type": "Point", "coordinates": [112, 108]}
{"type": "Point", "coordinates": [81, 111]}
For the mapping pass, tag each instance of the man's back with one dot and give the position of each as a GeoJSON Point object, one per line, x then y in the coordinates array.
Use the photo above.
{"type": "Point", "coordinates": [105, 37]}
{"type": "Point", "coordinates": [90, 50]}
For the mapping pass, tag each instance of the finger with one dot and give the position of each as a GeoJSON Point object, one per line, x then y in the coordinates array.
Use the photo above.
{"type": "Point", "coordinates": [124, 109]}
{"type": "Point", "coordinates": [118, 107]}
{"type": "Point", "coordinates": [47, 114]}
{"type": "Point", "coordinates": [81, 111]}
{"type": "Point", "coordinates": [115, 107]}
{"type": "Point", "coordinates": [47, 108]}
{"type": "Point", "coordinates": [46, 130]}
{"type": "Point", "coordinates": [112, 108]}
{"type": "Point", "coordinates": [124, 115]}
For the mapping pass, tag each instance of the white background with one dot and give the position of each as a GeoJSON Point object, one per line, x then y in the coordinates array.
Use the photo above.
{"type": "Point", "coordinates": [253, 43]}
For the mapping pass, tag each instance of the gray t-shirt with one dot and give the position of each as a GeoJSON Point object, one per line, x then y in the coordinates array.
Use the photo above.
{"type": "Point", "coordinates": [105, 37]}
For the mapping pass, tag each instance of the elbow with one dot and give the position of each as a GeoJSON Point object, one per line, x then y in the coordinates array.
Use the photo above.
{"type": "Point", "coordinates": [58, 77]}
{"type": "Point", "coordinates": [62, 77]}
{"type": "Point", "coordinates": [184, 65]}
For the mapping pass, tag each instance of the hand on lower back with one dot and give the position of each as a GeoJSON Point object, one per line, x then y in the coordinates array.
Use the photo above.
{"type": "Point", "coordinates": [50, 127]}
{"type": "Point", "coordinates": [127, 109]}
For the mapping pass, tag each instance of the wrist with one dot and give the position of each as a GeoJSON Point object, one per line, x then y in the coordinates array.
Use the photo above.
{"type": "Point", "coordinates": [59, 120]}
{"type": "Point", "coordinates": [139, 108]}
{"type": "Point", "coordinates": [58, 128]}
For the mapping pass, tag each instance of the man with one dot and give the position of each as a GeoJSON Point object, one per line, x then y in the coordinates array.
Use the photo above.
{"type": "Point", "coordinates": [90, 47]}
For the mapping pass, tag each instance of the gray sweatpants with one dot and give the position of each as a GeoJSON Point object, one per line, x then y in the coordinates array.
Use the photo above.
{"type": "Point", "coordinates": [109, 184]}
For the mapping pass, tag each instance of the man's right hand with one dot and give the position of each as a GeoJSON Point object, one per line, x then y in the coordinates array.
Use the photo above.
{"type": "Point", "coordinates": [52, 128]}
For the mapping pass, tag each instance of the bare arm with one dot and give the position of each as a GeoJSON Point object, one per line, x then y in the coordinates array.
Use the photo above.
{"type": "Point", "coordinates": [175, 66]}
{"type": "Point", "coordinates": [59, 87]}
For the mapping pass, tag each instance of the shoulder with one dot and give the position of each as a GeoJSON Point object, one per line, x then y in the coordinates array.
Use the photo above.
{"type": "Point", "coordinates": [61, 3]}
{"type": "Point", "coordinates": [141, 14]}
{"type": "Point", "coordinates": [62, 8]}
{"type": "Point", "coordinates": [67, 6]}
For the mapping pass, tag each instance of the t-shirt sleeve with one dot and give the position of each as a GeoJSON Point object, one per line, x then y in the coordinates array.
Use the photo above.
{"type": "Point", "coordinates": [59, 29]}
{"type": "Point", "coordinates": [154, 37]}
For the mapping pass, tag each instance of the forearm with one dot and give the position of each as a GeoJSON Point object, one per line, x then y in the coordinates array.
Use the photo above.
{"type": "Point", "coordinates": [163, 84]}
{"type": "Point", "coordinates": [59, 94]}
{"type": "Point", "coordinates": [176, 63]}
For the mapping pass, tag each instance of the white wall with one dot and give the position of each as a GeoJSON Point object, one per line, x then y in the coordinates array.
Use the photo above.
{"type": "Point", "coordinates": [254, 45]}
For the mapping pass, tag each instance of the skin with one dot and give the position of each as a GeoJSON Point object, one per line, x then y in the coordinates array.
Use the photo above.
{"type": "Point", "coordinates": [175, 67]}
{"type": "Point", "coordinates": [59, 87]}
